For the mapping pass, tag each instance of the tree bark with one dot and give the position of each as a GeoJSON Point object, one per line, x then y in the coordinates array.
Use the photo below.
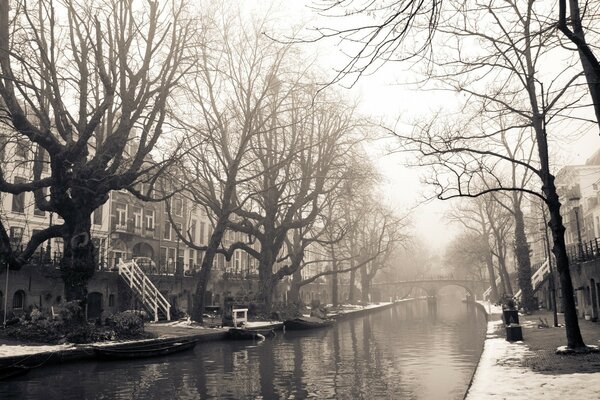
{"type": "Point", "coordinates": [294, 295]}
{"type": "Point", "coordinates": [489, 262]}
{"type": "Point", "coordinates": [78, 263]}
{"type": "Point", "coordinates": [351, 287]}
{"type": "Point", "coordinates": [200, 292]}
{"type": "Point", "coordinates": [504, 274]}
{"type": "Point", "coordinates": [334, 282]}
{"type": "Point", "coordinates": [574, 338]}
{"type": "Point", "coordinates": [205, 270]}
{"type": "Point", "coordinates": [364, 283]}
{"type": "Point", "coordinates": [589, 62]}
{"type": "Point", "coordinates": [528, 301]}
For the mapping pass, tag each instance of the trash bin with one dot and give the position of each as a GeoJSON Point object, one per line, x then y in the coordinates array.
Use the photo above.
{"type": "Point", "coordinates": [510, 316]}
{"type": "Point", "coordinates": [514, 333]}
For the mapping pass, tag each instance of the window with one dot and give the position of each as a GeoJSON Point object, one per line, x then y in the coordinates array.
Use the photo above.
{"type": "Point", "coordinates": [167, 231]}
{"type": "Point", "coordinates": [202, 226]}
{"type": "Point", "coordinates": [121, 214]}
{"type": "Point", "coordinates": [179, 229]}
{"type": "Point", "coordinates": [178, 206]}
{"type": "Point", "coordinates": [19, 300]}
{"type": "Point", "coordinates": [192, 230]}
{"type": "Point", "coordinates": [22, 149]}
{"type": "Point", "coordinates": [16, 236]}
{"type": "Point", "coordinates": [111, 300]}
{"type": "Point", "coordinates": [237, 260]}
{"type": "Point", "coordinates": [149, 215]}
{"type": "Point", "coordinates": [18, 200]}
{"type": "Point", "coordinates": [191, 258]}
{"type": "Point", "coordinates": [163, 256]}
{"type": "Point", "coordinates": [118, 256]}
{"type": "Point", "coordinates": [137, 217]}
{"type": "Point", "coordinates": [97, 217]}
{"type": "Point", "coordinates": [171, 256]}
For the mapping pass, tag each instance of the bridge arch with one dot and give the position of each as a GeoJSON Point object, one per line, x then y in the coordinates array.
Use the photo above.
{"type": "Point", "coordinates": [462, 286]}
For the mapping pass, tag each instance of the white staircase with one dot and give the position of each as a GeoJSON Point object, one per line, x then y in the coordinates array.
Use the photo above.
{"type": "Point", "coordinates": [488, 292]}
{"type": "Point", "coordinates": [538, 277]}
{"type": "Point", "coordinates": [143, 287]}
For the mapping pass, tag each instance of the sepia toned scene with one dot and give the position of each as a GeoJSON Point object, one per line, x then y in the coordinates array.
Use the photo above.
{"type": "Point", "coordinates": [308, 199]}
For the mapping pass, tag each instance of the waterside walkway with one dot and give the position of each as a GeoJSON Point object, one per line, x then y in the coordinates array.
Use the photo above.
{"type": "Point", "coordinates": [531, 369]}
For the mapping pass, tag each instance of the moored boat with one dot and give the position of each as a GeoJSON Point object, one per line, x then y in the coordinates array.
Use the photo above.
{"type": "Point", "coordinates": [307, 323]}
{"type": "Point", "coordinates": [143, 350]}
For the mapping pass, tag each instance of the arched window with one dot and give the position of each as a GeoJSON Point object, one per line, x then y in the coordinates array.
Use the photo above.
{"type": "Point", "coordinates": [18, 300]}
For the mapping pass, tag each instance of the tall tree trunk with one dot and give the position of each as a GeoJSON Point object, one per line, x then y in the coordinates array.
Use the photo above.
{"type": "Point", "coordinates": [265, 276]}
{"type": "Point", "coordinates": [294, 295]}
{"type": "Point", "coordinates": [504, 273]}
{"type": "Point", "coordinates": [200, 293]}
{"type": "Point", "coordinates": [364, 283]}
{"type": "Point", "coordinates": [205, 270]}
{"type": "Point", "coordinates": [334, 280]}
{"type": "Point", "coordinates": [78, 263]}
{"type": "Point", "coordinates": [528, 302]}
{"type": "Point", "coordinates": [574, 338]}
{"type": "Point", "coordinates": [489, 262]}
{"type": "Point", "coordinates": [351, 286]}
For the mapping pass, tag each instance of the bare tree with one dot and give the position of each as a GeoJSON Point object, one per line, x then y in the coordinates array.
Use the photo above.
{"type": "Point", "coordinates": [466, 256]}
{"type": "Point", "coordinates": [231, 98]}
{"type": "Point", "coordinates": [89, 85]}
{"type": "Point", "coordinates": [513, 40]}
{"type": "Point", "coordinates": [301, 162]}
{"type": "Point", "coordinates": [474, 217]}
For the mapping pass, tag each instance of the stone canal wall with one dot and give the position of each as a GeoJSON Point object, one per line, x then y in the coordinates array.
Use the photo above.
{"type": "Point", "coordinates": [40, 287]}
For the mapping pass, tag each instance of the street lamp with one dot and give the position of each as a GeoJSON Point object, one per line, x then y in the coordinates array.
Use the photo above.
{"type": "Point", "coordinates": [574, 200]}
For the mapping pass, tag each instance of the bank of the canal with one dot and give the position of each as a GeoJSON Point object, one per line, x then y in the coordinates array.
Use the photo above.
{"type": "Point", "coordinates": [414, 349]}
{"type": "Point", "coordinates": [16, 353]}
{"type": "Point", "coordinates": [531, 368]}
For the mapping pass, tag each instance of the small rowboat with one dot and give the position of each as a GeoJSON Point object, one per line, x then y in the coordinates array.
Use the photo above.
{"type": "Point", "coordinates": [143, 350]}
{"type": "Point", "coordinates": [302, 323]}
{"type": "Point", "coordinates": [244, 334]}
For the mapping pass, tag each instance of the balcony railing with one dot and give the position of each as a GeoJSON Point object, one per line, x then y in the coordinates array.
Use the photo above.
{"type": "Point", "coordinates": [587, 251]}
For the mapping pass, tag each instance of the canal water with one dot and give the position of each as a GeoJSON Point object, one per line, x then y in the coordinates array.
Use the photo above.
{"type": "Point", "coordinates": [411, 351]}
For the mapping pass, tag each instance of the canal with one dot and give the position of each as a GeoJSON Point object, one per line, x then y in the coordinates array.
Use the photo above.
{"type": "Point", "coordinates": [411, 351]}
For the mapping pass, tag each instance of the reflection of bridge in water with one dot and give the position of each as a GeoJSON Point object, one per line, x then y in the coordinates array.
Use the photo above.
{"type": "Point", "coordinates": [431, 286]}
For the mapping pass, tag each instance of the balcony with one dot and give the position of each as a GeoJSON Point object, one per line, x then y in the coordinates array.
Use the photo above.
{"type": "Point", "coordinates": [120, 227]}
{"type": "Point", "coordinates": [587, 251]}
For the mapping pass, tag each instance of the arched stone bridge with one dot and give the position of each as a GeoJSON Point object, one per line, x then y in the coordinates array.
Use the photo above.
{"type": "Point", "coordinates": [431, 286]}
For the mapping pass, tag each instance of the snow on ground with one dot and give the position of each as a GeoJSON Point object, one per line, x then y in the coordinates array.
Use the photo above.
{"type": "Point", "coordinates": [23, 350]}
{"type": "Point", "coordinates": [186, 323]}
{"type": "Point", "coordinates": [500, 376]}
{"type": "Point", "coordinates": [490, 308]}
{"type": "Point", "coordinates": [261, 324]}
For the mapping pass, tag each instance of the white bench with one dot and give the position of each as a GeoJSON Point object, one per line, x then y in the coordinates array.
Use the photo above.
{"type": "Point", "coordinates": [240, 315]}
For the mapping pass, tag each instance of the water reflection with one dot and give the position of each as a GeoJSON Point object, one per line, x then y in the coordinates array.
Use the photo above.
{"type": "Point", "coordinates": [413, 351]}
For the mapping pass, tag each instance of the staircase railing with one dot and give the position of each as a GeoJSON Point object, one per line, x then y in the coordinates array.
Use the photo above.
{"type": "Point", "coordinates": [538, 277]}
{"type": "Point", "coordinates": [488, 291]}
{"type": "Point", "coordinates": [143, 287]}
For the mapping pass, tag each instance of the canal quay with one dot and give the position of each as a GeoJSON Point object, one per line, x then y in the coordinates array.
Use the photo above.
{"type": "Point", "coordinates": [411, 349]}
